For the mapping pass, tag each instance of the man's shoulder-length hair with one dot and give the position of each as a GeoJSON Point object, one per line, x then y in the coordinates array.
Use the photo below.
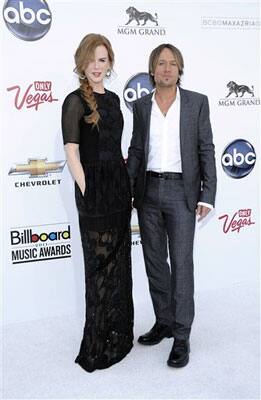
{"type": "Point", "coordinates": [154, 57]}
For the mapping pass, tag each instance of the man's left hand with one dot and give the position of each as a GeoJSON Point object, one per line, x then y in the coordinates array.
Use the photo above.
{"type": "Point", "coordinates": [202, 212]}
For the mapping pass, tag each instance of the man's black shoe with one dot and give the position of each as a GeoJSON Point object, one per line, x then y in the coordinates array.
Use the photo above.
{"type": "Point", "coordinates": [156, 334]}
{"type": "Point", "coordinates": [179, 355]}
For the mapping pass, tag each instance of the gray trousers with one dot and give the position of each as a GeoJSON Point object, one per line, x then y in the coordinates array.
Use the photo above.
{"type": "Point", "coordinates": [167, 226]}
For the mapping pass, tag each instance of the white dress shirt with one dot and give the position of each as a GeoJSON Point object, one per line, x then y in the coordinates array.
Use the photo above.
{"type": "Point", "coordinates": [164, 141]}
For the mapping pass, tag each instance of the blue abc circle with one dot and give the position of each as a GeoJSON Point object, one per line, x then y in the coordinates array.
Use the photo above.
{"type": "Point", "coordinates": [238, 159]}
{"type": "Point", "coordinates": [28, 20]}
{"type": "Point", "coordinates": [137, 86]}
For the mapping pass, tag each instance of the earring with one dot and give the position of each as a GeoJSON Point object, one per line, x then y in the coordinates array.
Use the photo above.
{"type": "Point", "coordinates": [108, 73]}
{"type": "Point", "coordinates": [82, 76]}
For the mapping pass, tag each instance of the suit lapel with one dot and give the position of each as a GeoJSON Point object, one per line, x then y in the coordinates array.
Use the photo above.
{"type": "Point", "coordinates": [185, 109]}
{"type": "Point", "coordinates": [146, 113]}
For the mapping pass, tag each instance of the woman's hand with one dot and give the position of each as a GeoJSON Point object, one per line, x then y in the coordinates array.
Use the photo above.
{"type": "Point", "coordinates": [74, 164]}
{"type": "Point", "coordinates": [83, 189]}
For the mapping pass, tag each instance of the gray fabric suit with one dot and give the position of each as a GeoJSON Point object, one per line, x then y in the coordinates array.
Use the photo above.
{"type": "Point", "coordinates": [166, 208]}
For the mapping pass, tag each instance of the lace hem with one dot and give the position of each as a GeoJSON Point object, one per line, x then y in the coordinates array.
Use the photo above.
{"type": "Point", "coordinates": [108, 331]}
{"type": "Point", "coordinates": [91, 365]}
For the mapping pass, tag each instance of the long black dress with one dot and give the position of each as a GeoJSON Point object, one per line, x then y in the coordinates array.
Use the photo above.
{"type": "Point", "coordinates": [104, 217]}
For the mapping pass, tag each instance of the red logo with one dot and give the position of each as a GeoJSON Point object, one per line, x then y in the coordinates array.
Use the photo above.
{"type": "Point", "coordinates": [240, 219]}
{"type": "Point", "coordinates": [36, 93]}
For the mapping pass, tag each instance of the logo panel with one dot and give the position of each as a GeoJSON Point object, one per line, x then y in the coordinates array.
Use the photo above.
{"type": "Point", "coordinates": [135, 230]}
{"type": "Point", "coordinates": [40, 243]}
{"type": "Point", "coordinates": [238, 159]}
{"type": "Point", "coordinates": [239, 95]}
{"type": "Point", "coordinates": [141, 17]}
{"type": "Point", "coordinates": [37, 168]}
{"type": "Point", "coordinates": [28, 20]}
{"type": "Point", "coordinates": [141, 23]}
{"type": "Point", "coordinates": [230, 23]}
{"type": "Point", "coordinates": [137, 86]}
{"type": "Point", "coordinates": [37, 93]}
{"type": "Point", "coordinates": [239, 220]}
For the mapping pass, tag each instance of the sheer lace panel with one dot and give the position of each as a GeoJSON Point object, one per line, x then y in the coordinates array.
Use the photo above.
{"type": "Point", "coordinates": [72, 112]}
{"type": "Point", "coordinates": [108, 332]}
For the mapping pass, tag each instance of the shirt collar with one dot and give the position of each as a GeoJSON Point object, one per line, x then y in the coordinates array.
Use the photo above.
{"type": "Point", "coordinates": [177, 95]}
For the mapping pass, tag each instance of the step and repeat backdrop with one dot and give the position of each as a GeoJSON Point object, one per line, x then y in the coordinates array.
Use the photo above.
{"type": "Point", "coordinates": [43, 264]}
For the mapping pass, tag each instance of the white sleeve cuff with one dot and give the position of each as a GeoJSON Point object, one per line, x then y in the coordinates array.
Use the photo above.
{"type": "Point", "coordinates": [201, 203]}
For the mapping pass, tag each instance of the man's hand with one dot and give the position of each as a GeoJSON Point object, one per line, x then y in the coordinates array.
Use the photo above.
{"type": "Point", "coordinates": [202, 212]}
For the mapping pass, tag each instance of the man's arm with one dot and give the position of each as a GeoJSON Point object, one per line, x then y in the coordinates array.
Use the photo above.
{"type": "Point", "coordinates": [135, 152]}
{"type": "Point", "coordinates": [206, 152]}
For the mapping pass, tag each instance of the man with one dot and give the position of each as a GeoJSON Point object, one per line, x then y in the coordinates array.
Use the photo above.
{"type": "Point", "coordinates": [171, 165]}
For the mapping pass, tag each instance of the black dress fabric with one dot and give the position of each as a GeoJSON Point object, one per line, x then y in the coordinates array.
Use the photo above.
{"type": "Point", "coordinates": [104, 218]}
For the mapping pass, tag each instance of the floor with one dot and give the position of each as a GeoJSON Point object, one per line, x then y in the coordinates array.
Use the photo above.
{"type": "Point", "coordinates": [224, 361]}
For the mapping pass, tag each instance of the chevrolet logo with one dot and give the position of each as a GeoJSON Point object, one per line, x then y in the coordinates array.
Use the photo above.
{"type": "Point", "coordinates": [135, 229]}
{"type": "Point", "coordinates": [37, 167]}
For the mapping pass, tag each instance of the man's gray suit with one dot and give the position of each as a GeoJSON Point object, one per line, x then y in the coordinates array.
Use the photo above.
{"type": "Point", "coordinates": [166, 208]}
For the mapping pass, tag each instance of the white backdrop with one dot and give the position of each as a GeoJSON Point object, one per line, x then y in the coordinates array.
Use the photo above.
{"type": "Point", "coordinates": [219, 42]}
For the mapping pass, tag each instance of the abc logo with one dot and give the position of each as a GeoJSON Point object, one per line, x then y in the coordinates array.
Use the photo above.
{"type": "Point", "coordinates": [137, 86]}
{"type": "Point", "coordinates": [238, 159]}
{"type": "Point", "coordinates": [28, 19]}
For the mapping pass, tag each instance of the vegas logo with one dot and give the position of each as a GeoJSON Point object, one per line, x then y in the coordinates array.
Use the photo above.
{"type": "Point", "coordinates": [36, 93]}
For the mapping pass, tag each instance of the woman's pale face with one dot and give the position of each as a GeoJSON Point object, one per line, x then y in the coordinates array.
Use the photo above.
{"type": "Point", "coordinates": [97, 68]}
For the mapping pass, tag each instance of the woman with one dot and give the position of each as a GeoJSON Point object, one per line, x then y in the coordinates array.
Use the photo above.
{"type": "Point", "coordinates": [92, 126]}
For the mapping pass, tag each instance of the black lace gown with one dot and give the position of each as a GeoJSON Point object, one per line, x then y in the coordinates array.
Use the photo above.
{"type": "Point", "coordinates": [104, 217]}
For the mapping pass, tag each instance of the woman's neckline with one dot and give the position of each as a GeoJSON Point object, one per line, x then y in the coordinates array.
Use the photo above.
{"type": "Point", "coordinates": [100, 92]}
{"type": "Point", "coordinates": [105, 91]}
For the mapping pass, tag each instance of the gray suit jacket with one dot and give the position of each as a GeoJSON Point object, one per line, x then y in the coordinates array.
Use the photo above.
{"type": "Point", "coordinates": [197, 148]}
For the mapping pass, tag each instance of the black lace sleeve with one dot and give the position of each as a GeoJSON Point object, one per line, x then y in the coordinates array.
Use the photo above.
{"type": "Point", "coordinates": [72, 111]}
{"type": "Point", "coordinates": [117, 99]}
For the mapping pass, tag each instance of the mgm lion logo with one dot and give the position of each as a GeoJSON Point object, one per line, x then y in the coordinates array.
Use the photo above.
{"type": "Point", "coordinates": [135, 15]}
{"type": "Point", "coordinates": [236, 89]}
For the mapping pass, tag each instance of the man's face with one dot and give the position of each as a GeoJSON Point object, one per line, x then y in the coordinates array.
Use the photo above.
{"type": "Point", "coordinates": [166, 72]}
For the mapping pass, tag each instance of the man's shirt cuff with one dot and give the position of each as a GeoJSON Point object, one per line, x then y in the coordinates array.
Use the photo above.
{"type": "Point", "coordinates": [210, 206]}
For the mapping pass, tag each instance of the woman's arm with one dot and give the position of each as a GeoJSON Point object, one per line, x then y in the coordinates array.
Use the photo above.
{"type": "Point", "coordinates": [75, 166]}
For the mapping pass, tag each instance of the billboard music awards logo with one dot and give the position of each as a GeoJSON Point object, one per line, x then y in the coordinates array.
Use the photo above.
{"type": "Point", "coordinates": [36, 93]}
{"type": "Point", "coordinates": [141, 23]}
{"type": "Point", "coordinates": [240, 219]}
{"type": "Point", "coordinates": [238, 159]}
{"type": "Point", "coordinates": [137, 86]}
{"type": "Point", "coordinates": [28, 20]}
{"type": "Point", "coordinates": [37, 168]}
{"type": "Point", "coordinates": [239, 95]}
{"type": "Point", "coordinates": [40, 243]}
